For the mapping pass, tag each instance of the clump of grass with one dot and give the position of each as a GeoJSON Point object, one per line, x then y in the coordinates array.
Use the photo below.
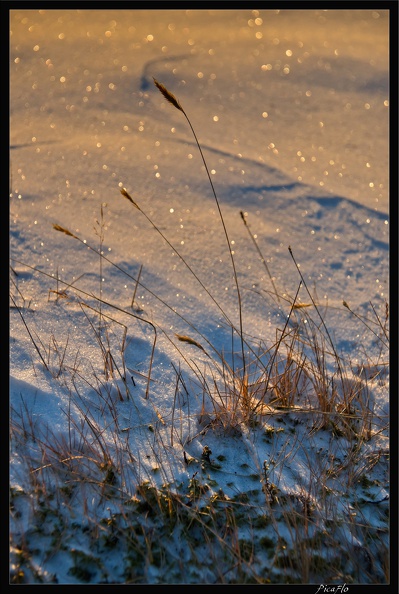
{"type": "Point", "coordinates": [298, 380]}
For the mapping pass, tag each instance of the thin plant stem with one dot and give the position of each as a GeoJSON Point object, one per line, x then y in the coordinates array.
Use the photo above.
{"type": "Point", "coordinates": [126, 194]}
{"type": "Point", "coordinates": [278, 346]}
{"type": "Point", "coordinates": [344, 303]}
{"type": "Point", "coordinates": [320, 316]}
{"type": "Point", "coordinates": [172, 99]}
{"type": "Point", "coordinates": [29, 332]}
{"type": "Point", "coordinates": [103, 301]}
{"type": "Point", "coordinates": [260, 253]}
{"type": "Point", "coordinates": [136, 286]}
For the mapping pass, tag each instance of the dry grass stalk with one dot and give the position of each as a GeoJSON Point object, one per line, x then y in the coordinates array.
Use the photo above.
{"type": "Point", "coordinates": [253, 239]}
{"type": "Point", "coordinates": [170, 97]}
{"type": "Point", "coordinates": [368, 322]}
{"type": "Point", "coordinates": [125, 193]}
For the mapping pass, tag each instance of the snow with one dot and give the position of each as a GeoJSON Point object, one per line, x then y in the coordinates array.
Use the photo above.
{"type": "Point", "coordinates": [291, 111]}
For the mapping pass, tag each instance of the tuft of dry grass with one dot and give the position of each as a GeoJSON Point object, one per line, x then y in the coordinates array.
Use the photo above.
{"type": "Point", "coordinates": [262, 393]}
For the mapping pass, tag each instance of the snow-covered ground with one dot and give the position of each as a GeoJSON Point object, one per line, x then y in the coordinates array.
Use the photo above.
{"type": "Point", "coordinates": [290, 108]}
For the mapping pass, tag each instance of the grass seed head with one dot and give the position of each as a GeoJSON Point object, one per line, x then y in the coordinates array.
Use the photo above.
{"type": "Point", "coordinates": [63, 230]}
{"type": "Point", "coordinates": [168, 95]}
{"type": "Point", "coordinates": [190, 341]}
{"type": "Point", "coordinates": [125, 193]}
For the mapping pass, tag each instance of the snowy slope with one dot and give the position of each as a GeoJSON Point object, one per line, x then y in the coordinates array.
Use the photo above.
{"type": "Point", "coordinates": [291, 112]}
